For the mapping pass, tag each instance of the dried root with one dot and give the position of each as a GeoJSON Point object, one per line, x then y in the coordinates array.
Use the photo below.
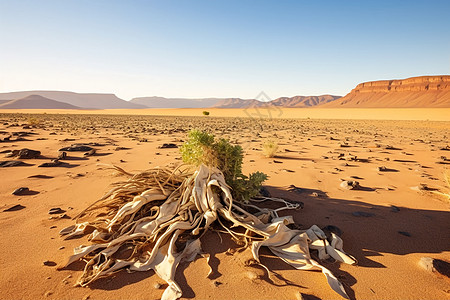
{"type": "Point", "coordinates": [156, 219]}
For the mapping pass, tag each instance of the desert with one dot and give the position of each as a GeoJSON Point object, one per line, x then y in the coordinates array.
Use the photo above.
{"type": "Point", "coordinates": [389, 223]}
{"type": "Point", "coordinates": [238, 150]}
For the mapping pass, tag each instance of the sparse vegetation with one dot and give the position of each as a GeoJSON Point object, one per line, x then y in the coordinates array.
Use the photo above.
{"type": "Point", "coordinates": [206, 113]}
{"type": "Point", "coordinates": [270, 148]}
{"type": "Point", "coordinates": [202, 148]}
{"type": "Point", "coordinates": [34, 122]}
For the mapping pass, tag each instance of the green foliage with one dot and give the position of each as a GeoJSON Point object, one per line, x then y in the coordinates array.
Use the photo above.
{"type": "Point", "coordinates": [202, 148]}
{"type": "Point", "coordinates": [206, 113]}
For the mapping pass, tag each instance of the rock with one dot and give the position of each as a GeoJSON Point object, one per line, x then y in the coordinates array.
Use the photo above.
{"type": "Point", "coordinates": [277, 161]}
{"type": "Point", "coordinates": [40, 176]}
{"type": "Point", "coordinates": [56, 210]}
{"type": "Point", "coordinates": [53, 163]}
{"type": "Point", "coordinates": [12, 163]}
{"type": "Point", "coordinates": [435, 265]}
{"type": "Point", "coordinates": [28, 154]}
{"type": "Point", "coordinates": [15, 208]}
{"type": "Point", "coordinates": [77, 148]}
{"type": "Point", "coordinates": [168, 145]}
{"type": "Point", "coordinates": [62, 155]}
{"type": "Point", "coordinates": [49, 263]}
{"type": "Point", "coordinates": [157, 285]}
{"type": "Point", "coordinates": [362, 214]}
{"type": "Point", "coordinates": [21, 191]}
{"type": "Point", "coordinates": [350, 184]}
{"type": "Point", "coordinates": [89, 153]}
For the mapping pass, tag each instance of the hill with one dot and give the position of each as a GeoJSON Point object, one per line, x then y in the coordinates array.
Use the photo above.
{"type": "Point", "coordinates": [90, 100]}
{"type": "Point", "coordinates": [161, 102]}
{"type": "Point", "coordinates": [296, 101]}
{"type": "Point", "coordinates": [36, 102]}
{"type": "Point", "coordinates": [419, 92]}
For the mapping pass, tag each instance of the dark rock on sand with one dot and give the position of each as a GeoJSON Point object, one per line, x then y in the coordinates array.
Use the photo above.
{"type": "Point", "coordinates": [167, 146]}
{"type": "Point", "coordinates": [20, 191]}
{"type": "Point", "coordinates": [350, 184]}
{"type": "Point", "coordinates": [15, 208]}
{"type": "Point", "coordinates": [53, 163]}
{"type": "Point", "coordinates": [12, 163]}
{"type": "Point", "coordinates": [56, 210]}
{"type": "Point", "coordinates": [435, 265]}
{"type": "Point", "coordinates": [77, 148]}
{"type": "Point", "coordinates": [62, 155]}
{"type": "Point", "coordinates": [28, 154]}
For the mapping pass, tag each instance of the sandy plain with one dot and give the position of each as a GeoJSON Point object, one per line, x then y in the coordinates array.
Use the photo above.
{"type": "Point", "coordinates": [403, 221]}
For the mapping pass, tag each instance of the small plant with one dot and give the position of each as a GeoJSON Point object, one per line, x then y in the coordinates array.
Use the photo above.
{"type": "Point", "coordinates": [206, 113]}
{"type": "Point", "coordinates": [202, 148]}
{"type": "Point", "coordinates": [269, 148]}
{"type": "Point", "coordinates": [34, 122]}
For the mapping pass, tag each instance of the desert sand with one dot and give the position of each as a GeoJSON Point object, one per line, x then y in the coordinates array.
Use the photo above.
{"type": "Point", "coordinates": [398, 156]}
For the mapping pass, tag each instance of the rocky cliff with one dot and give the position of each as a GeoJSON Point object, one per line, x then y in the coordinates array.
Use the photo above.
{"type": "Point", "coordinates": [423, 91]}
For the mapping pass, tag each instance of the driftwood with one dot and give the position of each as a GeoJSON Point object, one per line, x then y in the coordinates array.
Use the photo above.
{"type": "Point", "coordinates": [141, 223]}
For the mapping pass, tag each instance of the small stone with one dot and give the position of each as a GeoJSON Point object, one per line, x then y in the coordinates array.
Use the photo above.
{"type": "Point", "coordinates": [86, 297]}
{"type": "Point", "coordinates": [21, 191]}
{"type": "Point", "coordinates": [350, 184]}
{"type": "Point", "coordinates": [157, 285]}
{"type": "Point", "coordinates": [48, 293]}
{"type": "Point", "coordinates": [15, 208]}
{"type": "Point", "coordinates": [49, 263]}
{"type": "Point", "coordinates": [168, 146]}
{"type": "Point", "coordinates": [61, 248]}
{"type": "Point", "coordinates": [55, 210]}
{"type": "Point", "coordinates": [217, 283]}
{"type": "Point", "coordinates": [62, 155]}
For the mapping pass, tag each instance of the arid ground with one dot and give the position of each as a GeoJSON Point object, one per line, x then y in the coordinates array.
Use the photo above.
{"type": "Point", "coordinates": [388, 224]}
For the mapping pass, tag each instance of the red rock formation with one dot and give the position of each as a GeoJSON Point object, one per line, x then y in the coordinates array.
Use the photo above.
{"type": "Point", "coordinates": [423, 91]}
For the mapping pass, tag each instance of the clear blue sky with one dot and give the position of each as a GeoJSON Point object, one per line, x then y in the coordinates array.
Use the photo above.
{"type": "Point", "coordinates": [218, 48]}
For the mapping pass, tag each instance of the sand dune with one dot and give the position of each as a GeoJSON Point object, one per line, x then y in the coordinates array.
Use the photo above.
{"type": "Point", "coordinates": [424, 91]}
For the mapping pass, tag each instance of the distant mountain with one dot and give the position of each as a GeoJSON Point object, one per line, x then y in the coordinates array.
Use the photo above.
{"type": "Point", "coordinates": [420, 92]}
{"type": "Point", "coordinates": [304, 101]}
{"type": "Point", "coordinates": [297, 101]}
{"type": "Point", "coordinates": [94, 101]}
{"type": "Point", "coordinates": [36, 102]}
{"type": "Point", "coordinates": [161, 102]}
{"type": "Point", "coordinates": [238, 103]}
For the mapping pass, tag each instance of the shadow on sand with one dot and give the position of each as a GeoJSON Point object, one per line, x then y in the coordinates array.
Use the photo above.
{"type": "Point", "coordinates": [364, 237]}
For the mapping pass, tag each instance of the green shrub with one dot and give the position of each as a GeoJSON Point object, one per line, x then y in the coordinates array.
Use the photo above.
{"type": "Point", "coordinates": [202, 148]}
{"type": "Point", "coordinates": [206, 113]}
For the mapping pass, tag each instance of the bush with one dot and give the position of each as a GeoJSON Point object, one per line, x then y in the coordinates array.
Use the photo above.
{"type": "Point", "coordinates": [269, 148]}
{"type": "Point", "coordinates": [206, 113]}
{"type": "Point", "coordinates": [202, 148]}
{"type": "Point", "coordinates": [34, 122]}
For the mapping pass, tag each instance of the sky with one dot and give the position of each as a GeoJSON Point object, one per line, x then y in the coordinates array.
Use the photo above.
{"type": "Point", "coordinates": [198, 49]}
